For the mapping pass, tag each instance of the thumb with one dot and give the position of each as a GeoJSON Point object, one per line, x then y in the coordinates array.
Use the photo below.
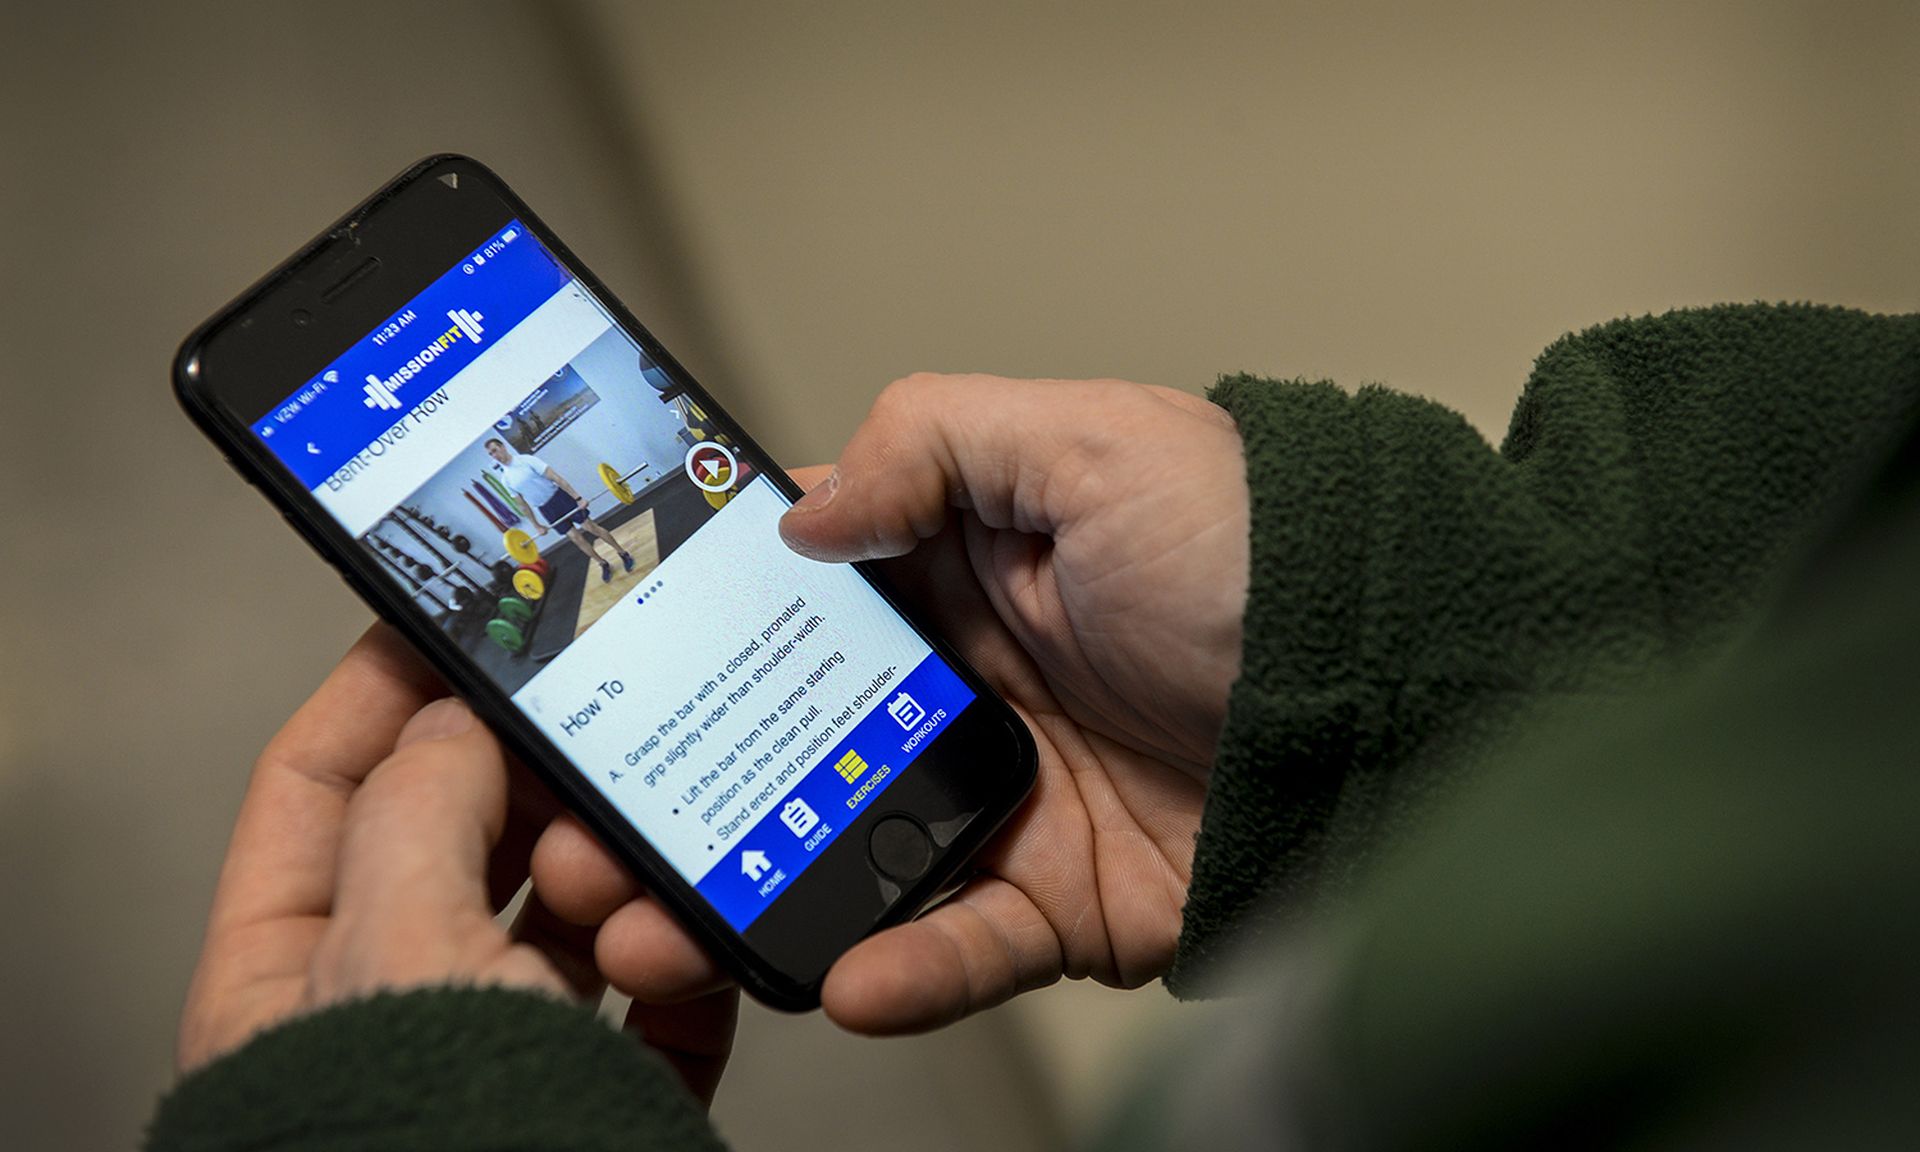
{"type": "Point", "coordinates": [419, 830]}
{"type": "Point", "coordinates": [932, 443]}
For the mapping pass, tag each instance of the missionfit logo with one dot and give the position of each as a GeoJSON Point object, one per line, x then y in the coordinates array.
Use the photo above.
{"type": "Point", "coordinates": [381, 393]}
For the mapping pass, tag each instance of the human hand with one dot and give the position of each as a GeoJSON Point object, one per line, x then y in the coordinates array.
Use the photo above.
{"type": "Point", "coordinates": [1105, 521]}
{"type": "Point", "coordinates": [375, 843]}
{"type": "Point", "coordinates": [1084, 545]}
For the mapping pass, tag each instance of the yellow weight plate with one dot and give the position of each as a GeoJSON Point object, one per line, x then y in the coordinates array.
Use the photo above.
{"type": "Point", "coordinates": [718, 499]}
{"type": "Point", "coordinates": [610, 476]}
{"type": "Point", "coordinates": [520, 546]}
{"type": "Point", "coordinates": [528, 583]}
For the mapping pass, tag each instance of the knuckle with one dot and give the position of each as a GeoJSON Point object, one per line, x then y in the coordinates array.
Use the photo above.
{"type": "Point", "coordinates": [411, 774]}
{"type": "Point", "coordinates": [283, 758]}
{"type": "Point", "coordinates": [913, 391]}
{"type": "Point", "coordinates": [900, 396]}
{"type": "Point", "coordinates": [917, 380]}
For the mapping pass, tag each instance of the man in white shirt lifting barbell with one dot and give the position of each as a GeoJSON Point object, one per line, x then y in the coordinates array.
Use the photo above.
{"type": "Point", "coordinates": [551, 502]}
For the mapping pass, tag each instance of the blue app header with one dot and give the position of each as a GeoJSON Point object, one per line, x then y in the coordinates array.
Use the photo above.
{"type": "Point", "coordinates": [321, 427]}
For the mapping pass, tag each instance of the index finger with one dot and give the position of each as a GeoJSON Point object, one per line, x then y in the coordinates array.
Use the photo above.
{"type": "Point", "coordinates": [281, 859]}
{"type": "Point", "coordinates": [932, 443]}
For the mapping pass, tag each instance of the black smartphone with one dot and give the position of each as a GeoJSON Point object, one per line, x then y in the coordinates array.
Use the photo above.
{"type": "Point", "coordinates": [460, 418]}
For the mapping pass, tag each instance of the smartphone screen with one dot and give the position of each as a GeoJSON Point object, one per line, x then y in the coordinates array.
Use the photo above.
{"type": "Point", "coordinates": [520, 469]}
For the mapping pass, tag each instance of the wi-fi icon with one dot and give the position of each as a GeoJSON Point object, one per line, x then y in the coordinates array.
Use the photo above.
{"type": "Point", "coordinates": [331, 376]}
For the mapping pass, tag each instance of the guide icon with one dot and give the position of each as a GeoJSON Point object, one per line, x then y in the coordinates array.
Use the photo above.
{"type": "Point", "coordinates": [798, 816]}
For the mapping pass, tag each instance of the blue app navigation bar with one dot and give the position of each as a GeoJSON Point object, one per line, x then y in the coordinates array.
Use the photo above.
{"type": "Point", "coordinates": [763, 862]}
{"type": "Point", "coordinates": [322, 426]}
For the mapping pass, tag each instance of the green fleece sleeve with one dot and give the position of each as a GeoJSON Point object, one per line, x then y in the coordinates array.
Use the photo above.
{"type": "Point", "coordinates": [1414, 590]}
{"type": "Point", "coordinates": [454, 1069]}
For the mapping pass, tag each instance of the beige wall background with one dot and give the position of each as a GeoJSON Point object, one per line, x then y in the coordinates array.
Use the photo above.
{"type": "Point", "coordinates": [805, 202]}
{"type": "Point", "coordinates": [1424, 195]}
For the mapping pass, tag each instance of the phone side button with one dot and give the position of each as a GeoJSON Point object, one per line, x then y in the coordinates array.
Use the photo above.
{"type": "Point", "coordinates": [239, 471]}
{"type": "Point", "coordinates": [313, 541]}
{"type": "Point", "coordinates": [306, 533]}
{"type": "Point", "coordinates": [355, 585]}
{"type": "Point", "coordinates": [900, 848]}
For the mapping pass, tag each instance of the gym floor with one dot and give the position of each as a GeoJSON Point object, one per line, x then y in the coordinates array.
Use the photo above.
{"type": "Point", "coordinates": [804, 202]}
{"type": "Point", "coordinates": [658, 521]}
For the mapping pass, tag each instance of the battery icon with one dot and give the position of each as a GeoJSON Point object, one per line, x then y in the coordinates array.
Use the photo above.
{"type": "Point", "coordinates": [509, 234]}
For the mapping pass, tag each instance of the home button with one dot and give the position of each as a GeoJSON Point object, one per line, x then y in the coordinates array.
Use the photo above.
{"type": "Point", "coordinates": [900, 848]}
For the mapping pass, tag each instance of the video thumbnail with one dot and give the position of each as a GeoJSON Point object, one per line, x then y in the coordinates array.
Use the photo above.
{"type": "Point", "coordinates": [543, 522]}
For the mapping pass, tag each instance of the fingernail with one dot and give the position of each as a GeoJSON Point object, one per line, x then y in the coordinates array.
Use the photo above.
{"type": "Point", "coordinates": [443, 718]}
{"type": "Point", "coordinates": [821, 495]}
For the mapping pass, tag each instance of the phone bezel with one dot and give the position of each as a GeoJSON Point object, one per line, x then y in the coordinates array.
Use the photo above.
{"type": "Point", "coordinates": [992, 733]}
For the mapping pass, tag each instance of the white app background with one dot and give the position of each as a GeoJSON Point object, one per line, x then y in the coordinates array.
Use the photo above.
{"type": "Point", "coordinates": [718, 593]}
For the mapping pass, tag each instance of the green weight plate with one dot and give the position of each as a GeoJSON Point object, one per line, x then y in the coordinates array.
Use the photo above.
{"type": "Point", "coordinates": [506, 634]}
